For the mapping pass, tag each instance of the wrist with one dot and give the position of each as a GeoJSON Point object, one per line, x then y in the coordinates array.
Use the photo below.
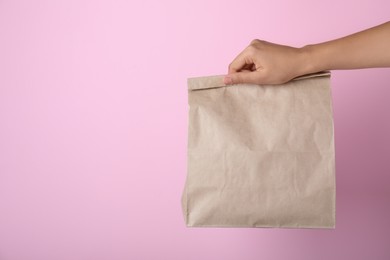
{"type": "Point", "coordinates": [310, 61]}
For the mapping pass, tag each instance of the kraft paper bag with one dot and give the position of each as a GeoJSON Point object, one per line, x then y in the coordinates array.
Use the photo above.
{"type": "Point", "coordinates": [260, 155]}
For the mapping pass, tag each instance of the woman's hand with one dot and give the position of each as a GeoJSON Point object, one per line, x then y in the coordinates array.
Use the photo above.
{"type": "Point", "coordinates": [267, 63]}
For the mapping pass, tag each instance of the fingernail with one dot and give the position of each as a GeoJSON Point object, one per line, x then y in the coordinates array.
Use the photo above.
{"type": "Point", "coordinates": [227, 80]}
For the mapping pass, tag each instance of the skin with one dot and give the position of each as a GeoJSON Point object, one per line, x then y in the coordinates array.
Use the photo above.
{"type": "Point", "coordinates": [264, 62]}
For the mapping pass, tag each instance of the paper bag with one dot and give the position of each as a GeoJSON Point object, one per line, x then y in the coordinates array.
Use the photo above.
{"type": "Point", "coordinates": [260, 155]}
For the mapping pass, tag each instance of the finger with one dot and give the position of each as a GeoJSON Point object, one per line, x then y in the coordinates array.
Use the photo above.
{"type": "Point", "coordinates": [242, 61]}
{"type": "Point", "coordinates": [243, 77]}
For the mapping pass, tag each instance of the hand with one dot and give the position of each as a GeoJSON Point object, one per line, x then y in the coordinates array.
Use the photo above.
{"type": "Point", "coordinates": [267, 63]}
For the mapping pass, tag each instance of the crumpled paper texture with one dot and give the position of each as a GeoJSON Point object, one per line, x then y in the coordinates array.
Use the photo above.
{"type": "Point", "coordinates": [260, 155]}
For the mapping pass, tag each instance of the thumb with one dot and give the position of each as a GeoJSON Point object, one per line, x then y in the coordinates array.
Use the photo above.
{"type": "Point", "coordinates": [252, 77]}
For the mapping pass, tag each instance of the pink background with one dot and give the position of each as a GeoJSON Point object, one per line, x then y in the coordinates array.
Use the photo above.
{"type": "Point", "coordinates": [93, 128]}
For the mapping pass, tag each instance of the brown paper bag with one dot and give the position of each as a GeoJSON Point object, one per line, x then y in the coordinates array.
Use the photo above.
{"type": "Point", "coordinates": [260, 156]}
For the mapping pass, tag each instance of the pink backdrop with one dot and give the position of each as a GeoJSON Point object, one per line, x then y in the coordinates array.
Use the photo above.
{"type": "Point", "coordinates": [93, 127]}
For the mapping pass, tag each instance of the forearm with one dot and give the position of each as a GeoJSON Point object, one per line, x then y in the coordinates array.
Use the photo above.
{"type": "Point", "coordinates": [365, 49]}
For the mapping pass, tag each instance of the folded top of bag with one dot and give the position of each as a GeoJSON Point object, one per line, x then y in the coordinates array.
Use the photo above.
{"type": "Point", "coordinates": [208, 82]}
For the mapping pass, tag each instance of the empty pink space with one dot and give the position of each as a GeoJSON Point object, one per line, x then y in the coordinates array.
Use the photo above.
{"type": "Point", "coordinates": [93, 128]}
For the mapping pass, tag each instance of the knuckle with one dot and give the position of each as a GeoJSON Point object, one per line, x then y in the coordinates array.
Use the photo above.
{"type": "Point", "coordinates": [251, 50]}
{"type": "Point", "coordinates": [257, 42]}
{"type": "Point", "coordinates": [255, 46]}
{"type": "Point", "coordinates": [254, 41]}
